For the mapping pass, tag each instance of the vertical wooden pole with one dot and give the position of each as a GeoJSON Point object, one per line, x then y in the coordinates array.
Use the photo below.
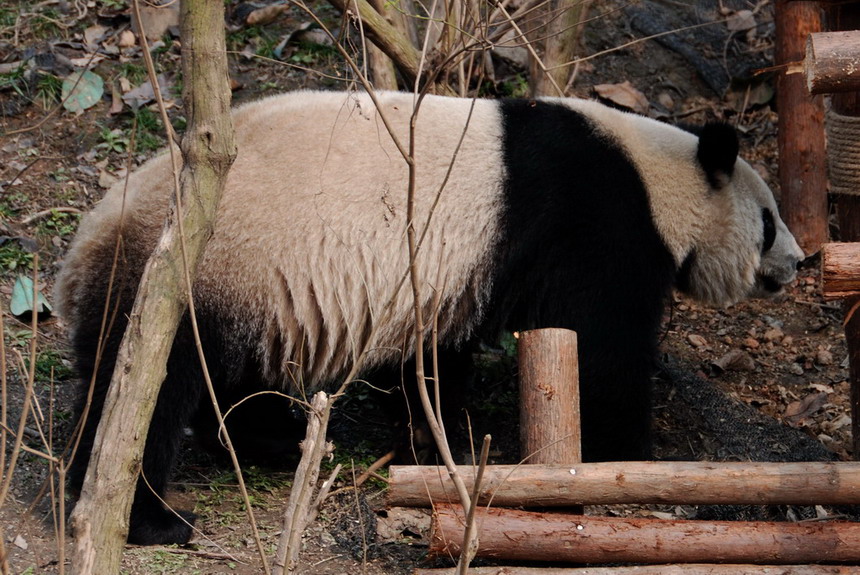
{"type": "Point", "coordinates": [847, 17]}
{"type": "Point", "coordinates": [801, 141]}
{"type": "Point", "coordinates": [549, 396]}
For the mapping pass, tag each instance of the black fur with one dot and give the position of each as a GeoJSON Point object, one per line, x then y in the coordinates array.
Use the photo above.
{"type": "Point", "coordinates": [581, 252]}
{"type": "Point", "coordinates": [230, 365]}
{"type": "Point", "coordinates": [769, 229]}
{"type": "Point", "coordinates": [718, 152]}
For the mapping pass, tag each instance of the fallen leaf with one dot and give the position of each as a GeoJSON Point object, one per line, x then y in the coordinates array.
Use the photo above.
{"type": "Point", "coordinates": [735, 360]}
{"type": "Point", "coordinates": [93, 35]}
{"type": "Point", "coordinates": [624, 95]}
{"type": "Point", "coordinates": [156, 20]}
{"type": "Point", "coordinates": [797, 411]}
{"type": "Point", "coordinates": [265, 15]}
{"type": "Point", "coordinates": [82, 90]}
{"type": "Point", "coordinates": [145, 93]}
{"type": "Point", "coordinates": [22, 298]}
{"type": "Point", "coordinates": [821, 387]}
{"type": "Point", "coordinates": [741, 20]}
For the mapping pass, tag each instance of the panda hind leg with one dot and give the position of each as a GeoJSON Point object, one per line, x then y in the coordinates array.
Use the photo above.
{"type": "Point", "coordinates": [151, 523]}
{"type": "Point", "coordinates": [413, 439]}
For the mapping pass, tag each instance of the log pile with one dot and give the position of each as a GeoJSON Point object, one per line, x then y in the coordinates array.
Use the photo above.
{"type": "Point", "coordinates": [542, 532]}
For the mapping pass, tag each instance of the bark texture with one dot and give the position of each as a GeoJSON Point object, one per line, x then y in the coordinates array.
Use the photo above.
{"type": "Point", "coordinates": [100, 519]}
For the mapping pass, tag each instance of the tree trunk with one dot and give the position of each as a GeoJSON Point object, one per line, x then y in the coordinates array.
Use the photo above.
{"type": "Point", "coordinates": [802, 156]}
{"type": "Point", "coordinates": [100, 519]}
{"type": "Point", "coordinates": [381, 66]}
{"type": "Point", "coordinates": [396, 45]}
{"type": "Point", "coordinates": [558, 34]}
{"type": "Point", "coordinates": [635, 482]}
{"type": "Point", "coordinates": [515, 535]}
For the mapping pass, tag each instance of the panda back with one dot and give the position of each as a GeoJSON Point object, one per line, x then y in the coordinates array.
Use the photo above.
{"type": "Point", "coordinates": [310, 242]}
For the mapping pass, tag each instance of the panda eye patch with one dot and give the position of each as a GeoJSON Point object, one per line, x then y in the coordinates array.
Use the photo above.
{"type": "Point", "coordinates": [769, 229]}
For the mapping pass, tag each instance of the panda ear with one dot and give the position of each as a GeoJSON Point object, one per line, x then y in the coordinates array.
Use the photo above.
{"type": "Point", "coordinates": [718, 152]}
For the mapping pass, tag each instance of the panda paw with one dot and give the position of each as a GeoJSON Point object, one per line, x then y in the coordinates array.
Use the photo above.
{"type": "Point", "coordinates": [161, 527]}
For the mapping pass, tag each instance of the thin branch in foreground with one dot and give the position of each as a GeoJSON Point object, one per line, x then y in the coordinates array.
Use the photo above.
{"type": "Point", "coordinates": [296, 517]}
{"type": "Point", "coordinates": [28, 390]}
{"type": "Point", "coordinates": [469, 535]}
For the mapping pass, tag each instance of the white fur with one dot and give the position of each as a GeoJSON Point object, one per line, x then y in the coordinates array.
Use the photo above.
{"type": "Point", "coordinates": [310, 243]}
{"type": "Point", "coordinates": [723, 226]}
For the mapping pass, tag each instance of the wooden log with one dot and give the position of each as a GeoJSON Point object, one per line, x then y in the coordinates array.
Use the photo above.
{"type": "Point", "coordinates": [687, 569]}
{"type": "Point", "coordinates": [549, 396]}
{"type": "Point", "coordinates": [840, 269]}
{"type": "Point", "coordinates": [635, 482]}
{"type": "Point", "coordinates": [847, 17]}
{"type": "Point", "coordinates": [801, 142]}
{"type": "Point", "coordinates": [515, 535]}
{"type": "Point", "coordinates": [832, 62]}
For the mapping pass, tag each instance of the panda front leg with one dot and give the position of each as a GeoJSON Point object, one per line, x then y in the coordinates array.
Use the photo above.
{"type": "Point", "coordinates": [616, 410]}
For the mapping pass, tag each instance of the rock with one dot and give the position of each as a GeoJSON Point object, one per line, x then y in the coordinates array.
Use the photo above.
{"type": "Point", "coordinates": [697, 341]}
{"type": "Point", "coordinates": [774, 334]}
{"type": "Point", "coordinates": [823, 357]}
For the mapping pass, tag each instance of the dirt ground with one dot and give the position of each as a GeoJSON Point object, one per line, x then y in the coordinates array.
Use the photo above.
{"type": "Point", "coordinates": [763, 380]}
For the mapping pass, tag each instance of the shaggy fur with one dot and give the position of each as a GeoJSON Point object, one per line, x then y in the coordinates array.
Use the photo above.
{"type": "Point", "coordinates": [532, 214]}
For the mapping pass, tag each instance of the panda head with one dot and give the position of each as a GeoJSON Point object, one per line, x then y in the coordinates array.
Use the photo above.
{"type": "Point", "coordinates": [743, 249]}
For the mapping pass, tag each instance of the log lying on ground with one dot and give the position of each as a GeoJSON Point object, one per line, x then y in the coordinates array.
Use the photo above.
{"type": "Point", "coordinates": [515, 535]}
{"type": "Point", "coordinates": [832, 62]}
{"type": "Point", "coordinates": [825, 483]}
{"type": "Point", "coordinates": [688, 569]}
{"type": "Point", "coordinates": [840, 269]}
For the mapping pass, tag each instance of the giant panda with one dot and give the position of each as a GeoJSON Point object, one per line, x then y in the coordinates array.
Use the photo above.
{"type": "Point", "coordinates": [530, 213]}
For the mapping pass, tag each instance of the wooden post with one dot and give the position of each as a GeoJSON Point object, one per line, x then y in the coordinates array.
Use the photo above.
{"type": "Point", "coordinates": [516, 535]}
{"type": "Point", "coordinates": [802, 158]}
{"type": "Point", "coordinates": [549, 396]}
{"type": "Point", "coordinates": [832, 62]}
{"type": "Point", "coordinates": [664, 482]}
{"type": "Point", "coordinates": [847, 17]}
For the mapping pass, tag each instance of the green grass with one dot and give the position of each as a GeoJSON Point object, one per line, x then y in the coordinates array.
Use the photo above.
{"type": "Point", "coordinates": [48, 90]}
{"type": "Point", "coordinates": [14, 258]}
{"type": "Point", "coordinates": [133, 72]}
{"type": "Point", "coordinates": [150, 131]}
{"type": "Point", "coordinates": [8, 15]}
{"type": "Point", "coordinates": [58, 224]}
{"type": "Point", "coordinates": [46, 24]}
{"type": "Point", "coordinates": [48, 362]}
